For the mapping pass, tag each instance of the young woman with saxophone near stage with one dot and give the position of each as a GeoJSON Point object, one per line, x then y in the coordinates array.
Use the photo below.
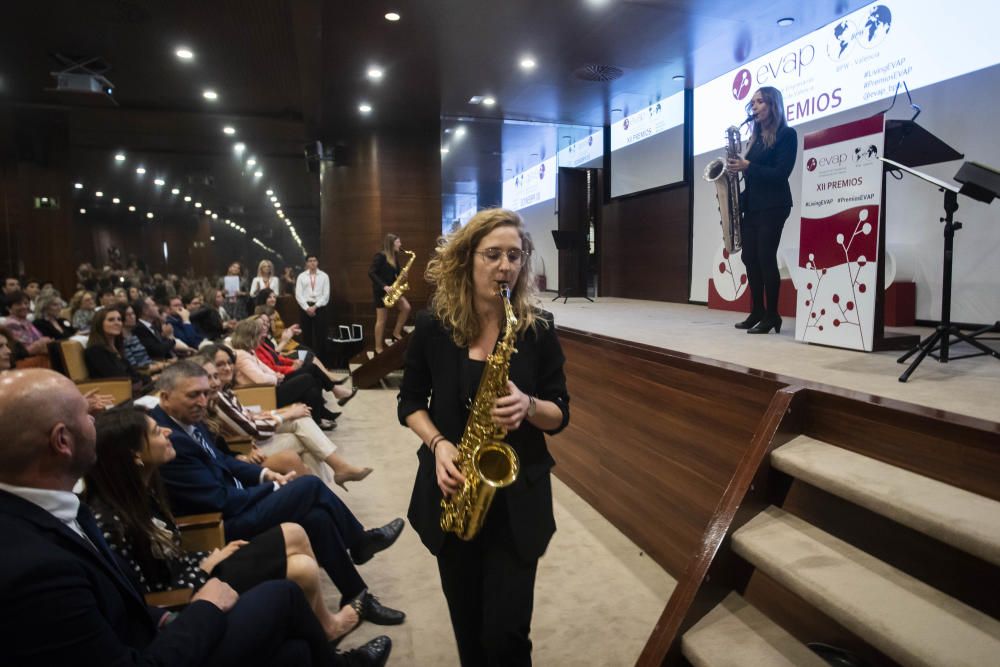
{"type": "Point", "coordinates": [766, 202]}
{"type": "Point", "coordinates": [384, 271]}
{"type": "Point", "coordinates": [489, 362]}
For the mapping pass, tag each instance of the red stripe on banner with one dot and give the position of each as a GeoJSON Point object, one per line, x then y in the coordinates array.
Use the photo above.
{"type": "Point", "coordinates": [839, 238]}
{"type": "Point", "coordinates": [846, 132]}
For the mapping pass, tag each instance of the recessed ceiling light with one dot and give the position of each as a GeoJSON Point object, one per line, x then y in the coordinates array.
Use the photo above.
{"type": "Point", "coordinates": [251, 162]}
{"type": "Point", "coordinates": [239, 147]}
{"type": "Point", "coordinates": [208, 212]}
{"type": "Point", "coordinates": [210, 95]}
{"type": "Point", "coordinates": [116, 200]}
{"type": "Point", "coordinates": [444, 149]}
{"type": "Point", "coordinates": [269, 193]}
{"type": "Point", "coordinates": [211, 238]}
{"type": "Point", "coordinates": [197, 204]}
{"type": "Point", "coordinates": [786, 21]}
{"type": "Point", "coordinates": [392, 16]}
{"type": "Point", "coordinates": [149, 215]}
{"type": "Point", "coordinates": [187, 197]}
{"type": "Point", "coordinates": [131, 209]}
{"type": "Point", "coordinates": [78, 186]}
{"type": "Point", "coordinates": [678, 77]}
{"type": "Point", "coordinates": [229, 129]}
{"type": "Point", "coordinates": [175, 191]}
{"type": "Point", "coordinates": [159, 181]}
{"type": "Point", "coordinates": [258, 173]}
{"type": "Point", "coordinates": [83, 211]}
{"type": "Point", "coordinates": [459, 131]}
{"type": "Point", "coordinates": [215, 216]}
{"type": "Point", "coordinates": [528, 63]}
{"type": "Point", "coordinates": [489, 101]}
{"type": "Point", "coordinates": [184, 53]}
{"type": "Point", "coordinates": [120, 157]}
{"type": "Point", "coordinates": [365, 108]}
{"type": "Point", "coordinates": [375, 73]}
{"type": "Point", "coordinates": [273, 198]}
{"type": "Point", "coordinates": [98, 194]}
{"type": "Point", "coordinates": [140, 170]}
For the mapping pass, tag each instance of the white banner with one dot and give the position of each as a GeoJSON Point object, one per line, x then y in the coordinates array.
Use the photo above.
{"type": "Point", "coordinates": [532, 186]}
{"type": "Point", "coordinates": [583, 151]}
{"type": "Point", "coordinates": [838, 238]}
{"type": "Point", "coordinates": [649, 121]}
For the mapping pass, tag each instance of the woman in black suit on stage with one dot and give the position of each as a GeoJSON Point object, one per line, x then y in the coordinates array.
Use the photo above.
{"type": "Point", "coordinates": [384, 270]}
{"type": "Point", "coordinates": [765, 202]}
{"type": "Point", "coordinates": [488, 581]}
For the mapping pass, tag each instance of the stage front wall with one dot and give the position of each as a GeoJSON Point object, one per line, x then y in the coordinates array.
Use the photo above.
{"type": "Point", "coordinates": [654, 437]}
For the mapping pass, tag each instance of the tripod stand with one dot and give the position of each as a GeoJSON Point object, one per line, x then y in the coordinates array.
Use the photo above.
{"type": "Point", "coordinates": [938, 344]}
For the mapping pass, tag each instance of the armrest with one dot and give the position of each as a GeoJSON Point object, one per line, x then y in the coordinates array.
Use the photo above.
{"type": "Point", "coordinates": [243, 445]}
{"type": "Point", "coordinates": [176, 598]}
{"type": "Point", "coordinates": [202, 532]}
{"type": "Point", "coordinates": [119, 388]}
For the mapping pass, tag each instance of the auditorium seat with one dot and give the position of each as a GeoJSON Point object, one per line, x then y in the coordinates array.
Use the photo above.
{"type": "Point", "coordinates": [199, 532]}
{"type": "Point", "coordinates": [71, 354]}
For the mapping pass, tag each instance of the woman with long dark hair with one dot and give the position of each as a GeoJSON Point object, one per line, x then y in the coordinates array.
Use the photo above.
{"type": "Point", "coordinates": [488, 581]}
{"type": "Point", "coordinates": [384, 270]}
{"type": "Point", "coordinates": [125, 492]}
{"type": "Point", "coordinates": [766, 202]}
{"type": "Point", "coordinates": [105, 353]}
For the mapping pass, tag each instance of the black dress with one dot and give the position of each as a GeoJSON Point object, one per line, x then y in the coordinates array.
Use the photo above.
{"type": "Point", "coordinates": [105, 363]}
{"type": "Point", "coordinates": [382, 274]}
{"type": "Point", "coordinates": [493, 575]}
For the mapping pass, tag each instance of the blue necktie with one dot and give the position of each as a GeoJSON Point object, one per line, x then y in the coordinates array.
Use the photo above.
{"type": "Point", "coordinates": [211, 451]}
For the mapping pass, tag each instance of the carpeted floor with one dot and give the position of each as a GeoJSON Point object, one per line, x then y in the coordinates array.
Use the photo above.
{"type": "Point", "coordinates": [597, 596]}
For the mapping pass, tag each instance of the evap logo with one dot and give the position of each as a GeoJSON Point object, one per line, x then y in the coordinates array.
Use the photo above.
{"type": "Point", "coordinates": [811, 164]}
{"type": "Point", "coordinates": [742, 84]}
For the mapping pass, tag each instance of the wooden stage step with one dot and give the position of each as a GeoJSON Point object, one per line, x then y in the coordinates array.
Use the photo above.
{"type": "Point", "coordinates": [904, 618]}
{"type": "Point", "coordinates": [965, 520]}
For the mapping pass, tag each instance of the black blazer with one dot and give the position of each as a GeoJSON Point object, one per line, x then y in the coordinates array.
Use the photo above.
{"type": "Point", "coordinates": [381, 272]}
{"type": "Point", "coordinates": [61, 603]}
{"type": "Point", "coordinates": [766, 180]}
{"type": "Point", "coordinates": [433, 371]}
{"type": "Point", "coordinates": [48, 329]}
{"type": "Point", "coordinates": [157, 346]}
{"type": "Point", "coordinates": [103, 363]}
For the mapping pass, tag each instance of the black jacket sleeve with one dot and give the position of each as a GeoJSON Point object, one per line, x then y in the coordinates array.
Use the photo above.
{"type": "Point", "coordinates": [103, 363]}
{"type": "Point", "coordinates": [551, 377]}
{"type": "Point", "coordinates": [416, 388]}
{"type": "Point", "coordinates": [785, 147]}
{"type": "Point", "coordinates": [378, 267]}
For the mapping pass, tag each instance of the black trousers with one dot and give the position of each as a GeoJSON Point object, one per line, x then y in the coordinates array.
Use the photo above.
{"type": "Point", "coordinates": [302, 389]}
{"type": "Point", "coordinates": [314, 330]}
{"type": "Point", "coordinates": [490, 592]}
{"type": "Point", "coordinates": [761, 232]}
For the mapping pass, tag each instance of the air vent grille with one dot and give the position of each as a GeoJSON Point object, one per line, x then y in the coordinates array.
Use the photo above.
{"type": "Point", "coordinates": [598, 73]}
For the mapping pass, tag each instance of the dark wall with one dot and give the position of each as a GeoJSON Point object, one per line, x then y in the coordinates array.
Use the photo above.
{"type": "Point", "coordinates": [387, 182]}
{"type": "Point", "coordinates": [645, 246]}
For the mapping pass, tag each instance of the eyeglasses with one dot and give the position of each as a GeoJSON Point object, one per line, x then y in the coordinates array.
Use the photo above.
{"type": "Point", "coordinates": [514, 255]}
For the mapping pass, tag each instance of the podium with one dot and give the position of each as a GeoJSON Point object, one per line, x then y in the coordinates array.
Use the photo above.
{"type": "Point", "coordinates": [575, 245]}
{"type": "Point", "coordinates": [906, 143]}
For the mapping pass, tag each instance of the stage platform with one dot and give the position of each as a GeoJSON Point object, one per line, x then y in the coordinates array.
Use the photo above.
{"type": "Point", "coordinates": [967, 386]}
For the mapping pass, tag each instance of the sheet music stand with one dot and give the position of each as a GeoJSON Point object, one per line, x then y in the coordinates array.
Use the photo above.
{"type": "Point", "coordinates": [573, 242]}
{"type": "Point", "coordinates": [938, 343]}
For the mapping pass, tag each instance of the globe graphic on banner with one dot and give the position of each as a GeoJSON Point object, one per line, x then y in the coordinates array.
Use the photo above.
{"type": "Point", "coordinates": [842, 41]}
{"type": "Point", "coordinates": [876, 27]}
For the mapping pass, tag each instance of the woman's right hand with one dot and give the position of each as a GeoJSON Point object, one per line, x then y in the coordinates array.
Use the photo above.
{"type": "Point", "coordinates": [449, 478]}
{"type": "Point", "coordinates": [218, 555]}
{"type": "Point", "coordinates": [387, 288]}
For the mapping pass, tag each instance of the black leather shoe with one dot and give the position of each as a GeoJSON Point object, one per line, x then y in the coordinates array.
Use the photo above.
{"type": "Point", "coordinates": [332, 416]}
{"type": "Point", "coordinates": [371, 610]}
{"type": "Point", "coordinates": [376, 540]}
{"type": "Point", "coordinates": [765, 326]}
{"type": "Point", "coordinates": [373, 654]}
{"type": "Point", "coordinates": [749, 322]}
{"type": "Point", "coordinates": [346, 399]}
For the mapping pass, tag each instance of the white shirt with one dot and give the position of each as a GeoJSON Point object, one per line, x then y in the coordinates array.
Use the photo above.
{"type": "Point", "coordinates": [63, 505]}
{"type": "Point", "coordinates": [313, 287]}
{"type": "Point", "coordinates": [258, 284]}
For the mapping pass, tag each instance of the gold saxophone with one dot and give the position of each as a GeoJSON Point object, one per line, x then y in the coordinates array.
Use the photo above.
{"type": "Point", "coordinates": [400, 284]}
{"type": "Point", "coordinates": [487, 462]}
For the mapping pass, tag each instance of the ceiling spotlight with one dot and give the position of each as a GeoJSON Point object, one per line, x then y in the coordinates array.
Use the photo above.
{"type": "Point", "coordinates": [98, 194]}
{"type": "Point", "coordinates": [116, 200]}
{"type": "Point", "coordinates": [175, 191]}
{"type": "Point", "coordinates": [78, 186]}
{"type": "Point", "coordinates": [365, 107]}
{"type": "Point", "coordinates": [528, 63]}
{"type": "Point", "coordinates": [159, 181]}
{"type": "Point", "coordinates": [120, 157]}
{"type": "Point", "coordinates": [277, 204]}
{"type": "Point", "coordinates": [131, 209]}
{"type": "Point", "coordinates": [273, 198]}
{"type": "Point", "coordinates": [392, 16]}
{"type": "Point", "coordinates": [197, 204]}
{"type": "Point", "coordinates": [489, 101]}
{"type": "Point", "coordinates": [239, 147]}
{"type": "Point", "coordinates": [140, 170]}
{"type": "Point", "coordinates": [215, 216]}
{"type": "Point", "coordinates": [444, 149]}
{"type": "Point", "coordinates": [251, 162]}
{"type": "Point", "coordinates": [208, 212]}
{"type": "Point", "coordinates": [184, 53]}
{"type": "Point", "coordinates": [211, 238]}
{"type": "Point", "coordinates": [187, 197]}
{"type": "Point", "coordinates": [210, 95]}
{"type": "Point", "coordinates": [375, 73]}
{"type": "Point", "coordinates": [83, 211]}
{"type": "Point", "coordinates": [269, 193]}
{"type": "Point", "coordinates": [288, 223]}
{"type": "Point", "coordinates": [258, 173]}
{"type": "Point", "coordinates": [786, 21]}
{"type": "Point", "coordinates": [229, 129]}
{"type": "Point", "coordinates": [459, 132]}
{"type": "Point", "coordinates": [149, 215]}
{"type": "Point", "coordinates": [678, 77]}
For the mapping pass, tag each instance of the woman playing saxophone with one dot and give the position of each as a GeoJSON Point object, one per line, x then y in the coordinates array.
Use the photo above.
{"type": "Point", "coordinates": [384, 270]}
{"type": "Point", "coordinates": [488, 581]}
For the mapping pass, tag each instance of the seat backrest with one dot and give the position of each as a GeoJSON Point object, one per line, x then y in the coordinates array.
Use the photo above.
{"type": "Point", "coordinates": [258, 396]}
{"type": "Point", "coordinates": [73, 361]}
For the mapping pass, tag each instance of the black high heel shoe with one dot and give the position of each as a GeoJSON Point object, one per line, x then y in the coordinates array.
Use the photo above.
{"type": "Point", "coordinates": [765, 326]}
{"type": "Point", "coordinates": [341, 380]}
{"type": "Point", "coordinates": [750, 321]}
{"type": "Point", "coordinates": [346, 399]}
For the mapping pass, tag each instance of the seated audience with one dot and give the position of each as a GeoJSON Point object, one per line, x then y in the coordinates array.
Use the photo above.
{"type": "Point", "coordinates": [298, 389]}
{"type": "Point", "coordinates": [66, 598]}
{"type": "Point", "coordinates": [6, 350]}
{"type": "Point", "coordinates": [159, 344]}
{"type": "Point", "coordinates": [32, 289]}
{"type": "Point", "coordinates": [216, 300]}
{"type": "Point", "coordinates": [134, 352]}
{"type": "Point", "coordinates": [252, 499]}
{"type": "Point", "coordinates": [277, 430]}
{"type": "Point", "coordinates": [208, 324]}
{"type": "Point", "coordinates": [125, 492]}
{"type": "Point", "coordinates": [81, 310]}
{"type": "Point", "coordinates": [105, 298]}
{"type": "Point", "coordinates": [11, 284]}
{"type": "Point", "coordinates": [34, 342]}
{"type": "Point", "coordinates": [105, 353]}
{"type": "Point", "coordinates": [179, 318]}
{"type": "Point", "coordinates": [48, 317]}
{"type": "Point", "coordinates": [286, 343]}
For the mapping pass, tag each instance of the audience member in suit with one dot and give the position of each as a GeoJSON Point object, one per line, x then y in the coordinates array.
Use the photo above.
{"type": "Point", "coordinates": [105, 353]}
{"type": "Point", "coordinates": [765, 203]}
{"type": "Point", "coordinates": [64, 597]}
{"type": "Point", "coordinates": [252, 499]}
{"type": "Point", "coordinates": [48, 318]}
{"type": "Point", "coordinates": [149, 331]}
{"type": "Point", "coordinates": [126, 494]}
{"type": "Point", "coordinates": [180, 319]}
{"type": "Point", "coordinates": [489, 580]}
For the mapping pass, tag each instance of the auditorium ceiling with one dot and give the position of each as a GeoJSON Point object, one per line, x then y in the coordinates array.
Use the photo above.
{"type": "Point", "coordinates": [290, 72]}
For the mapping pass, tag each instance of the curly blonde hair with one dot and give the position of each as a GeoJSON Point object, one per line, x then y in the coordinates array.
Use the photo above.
{"type": "Point", "coordinates": [450, 270]}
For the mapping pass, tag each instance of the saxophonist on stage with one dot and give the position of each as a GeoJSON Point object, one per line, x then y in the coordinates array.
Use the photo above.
{"type": "Point", "coordinates": [455, 355]}
{"type": "Point", "coordinates": [766, 203]}
{"type": "Point", "coordinates": [384, 271]}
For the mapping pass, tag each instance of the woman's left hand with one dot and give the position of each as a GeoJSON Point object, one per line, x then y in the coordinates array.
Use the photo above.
{"type": "Point", "coordinates": [736, 164]}
{"type": "Point", "coordinates": [510, 410]}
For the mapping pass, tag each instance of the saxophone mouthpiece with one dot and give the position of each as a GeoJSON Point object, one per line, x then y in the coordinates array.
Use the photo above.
{"type": "Point", "coordinates": [503, 289]}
